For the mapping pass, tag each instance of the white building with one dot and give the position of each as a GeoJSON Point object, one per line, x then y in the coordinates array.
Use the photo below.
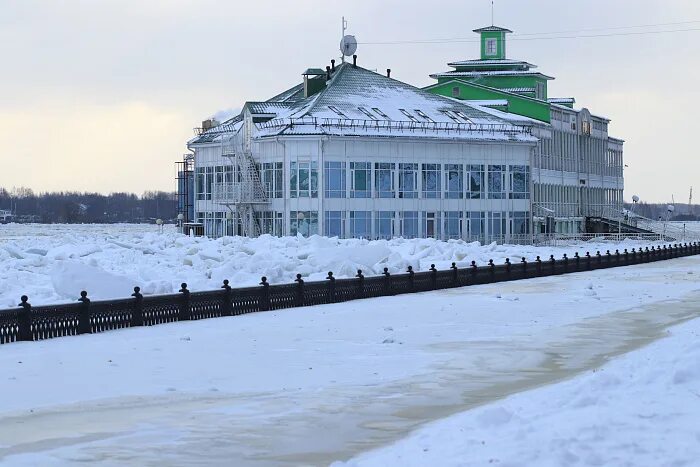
{"type": "Point", "coordinates": [353, 153]}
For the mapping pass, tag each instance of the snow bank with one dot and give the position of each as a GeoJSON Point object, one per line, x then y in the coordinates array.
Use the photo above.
{"type": "Point", "coordinates": [53, 263]}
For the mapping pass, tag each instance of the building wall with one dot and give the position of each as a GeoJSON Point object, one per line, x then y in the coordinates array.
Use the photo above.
{"type": "Point", "coordinates": [383, 210]}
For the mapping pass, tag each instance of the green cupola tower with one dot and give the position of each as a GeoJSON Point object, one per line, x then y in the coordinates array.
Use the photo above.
{"type": "Point", "coordinates": [493, 42]}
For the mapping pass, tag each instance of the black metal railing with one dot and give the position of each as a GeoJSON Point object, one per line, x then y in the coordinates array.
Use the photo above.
{"type": "Point", "coordinates": [28, 323]}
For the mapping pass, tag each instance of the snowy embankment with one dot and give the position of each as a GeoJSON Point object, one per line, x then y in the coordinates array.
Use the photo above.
{"type": "Point", "coordinates": [312, 385]}
{"type": "Point", "coordinates": [53, 263]}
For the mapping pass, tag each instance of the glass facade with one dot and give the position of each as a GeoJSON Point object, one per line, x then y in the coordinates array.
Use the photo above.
{"type": "Point", "coordinates": [360, 179]}
{"type": "Point", "coordinates": [409, 224]}
{"type": "Point", "coordinates": [384, 224]}
{"type": "Point", "coordinates": [303, 222]}
{"type": "Point", "coordinates": [519, 182]}
{"type": "Point", "coordinates": [303, 180]}
{"type": "Point", "coordinates": [453, 224]}
{"type": "Point", "coordinates": [334, 224]}
{"type": "Point", "coordinates": [496, 185]}
{"type": "Point", "coordinates": [361, 224]}
{"type": "Point", "coordinates": [454, 181]}
{"type": "Point", "coordinates": [408, 180]}
{"type": "Point", "coordinates": [384, 180]}
{"type": "Point", "coordinates": [431, 180]}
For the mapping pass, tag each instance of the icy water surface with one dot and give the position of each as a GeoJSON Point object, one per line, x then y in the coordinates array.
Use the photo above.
{"type": "Point", "coordinates": [317, 427]}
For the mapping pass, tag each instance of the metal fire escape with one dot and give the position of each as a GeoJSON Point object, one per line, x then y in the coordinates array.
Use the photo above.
{"type": "Point", "coordinates": [245, 194]}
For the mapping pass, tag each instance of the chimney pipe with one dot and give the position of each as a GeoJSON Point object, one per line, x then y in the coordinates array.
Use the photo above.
{"type": "Point", "coordinates": [354, 61]}
{"type": "Point", "coordinates": [388, 72]}
{"type": "Point", "coordinates": [328, 73]}
{"type": "Point", "coordinates": [333, 64]}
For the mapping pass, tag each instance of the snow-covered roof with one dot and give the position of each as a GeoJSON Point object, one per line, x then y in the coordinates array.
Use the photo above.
{"type": "Point", "coordinates": [492, 28]}
{"type": "Point", "coordinates": [518, 89]}
{"type": "Point", "coordinates": [487, 102]}
{"type": "Point", "coordinates": [359, 102]}
{"type": "Point", "coordinates": [448, 74]}
{"type": "Point", "coordinates": [561, 100]}
{"type": "Point", "coordinates": [502, 62]}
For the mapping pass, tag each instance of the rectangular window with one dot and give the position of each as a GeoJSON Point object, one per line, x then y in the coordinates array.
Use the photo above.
{"type": "Point", "coordinates": [384, 179]}
{"type": "Point", "coordinates": [208, 182]}
{"type": "Point", "coordinates": [384, 224]}
{"type": "Point", "coordinates": [475, 182]}
{"type": "Point", "coordinates": [497, 186]}
{"type": "Point", "coordinates": [303, 180]}
{"type": "Point", "coordinates": [334, 224]}
{"type": "Point", "coordinates": [367, 112]}
{"type": "Point", "coordinates": [408, 181]}
{"type": "Point", "coordinates": [272, 179]}
{"type": "Point", "coordinates": [200, 183]}
{"type": "Point", "coordinates": [454, 181]}
{"type": "Point", "coordinates": [334, 179]}
{"type": "Point", "coordinates": [270, 222]}
{"type": "Point", "coordinates": [430, 228]}
{"type": "Point", "coordinates": [410, 117]}
{"type": "Point", "coordinates": [453, 224]}
{"type": "Point", "coordinates": [476, 226]}
{"type": "Point", "coordinates": [361, 224]}
{"type": "Point", "coordinates": [520, 223]}
{"type": "Point", "coordinates": [452, 116]}
{"type": "Point", "coordinates": [491, 46]}
{"type": "Point", "coordinates": [462, 116]}
{"type": "Point", "coordinates": [303, 223]}
{"type": "Point", "coordinates": [519, 182]}
{"type": "Point", "coordinates": [455, 91]}
{"type": "Point", "coordinates": [422, 115]}
{"type": "Point", "coordinates": [497, 225]}
{"type": "Point", "coordinates": [431, 180]}
{"type": "Point", "coordinates": [380, 113]}
{"type": "Point", "coordinates": [409, 224]}
{"type": "Point", "coordinates": [337, 111]}
{"type": "Point", "coordinates": [360, 180]}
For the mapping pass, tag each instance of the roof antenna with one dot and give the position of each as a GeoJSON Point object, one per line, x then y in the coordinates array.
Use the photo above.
{"type": "Point", "coordinates": [342, 34]}
{"type": "Point", "coordinates": [491, 12]}
{"type": "Point", "coordinates": [348, 44]}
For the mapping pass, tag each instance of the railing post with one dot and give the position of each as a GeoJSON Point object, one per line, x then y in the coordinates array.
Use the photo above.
{"type": "Point", "coordinates": [360, 291]}
{"type": "Point", "coordinates": [492, 271]}
{"type": "Point", "coordinates": [577, 261]}
{"type": "Point", "coordinates": [508, 276]}
{"type": "Point", "coordinates": [185, 312]}
{"type": "Point", "coordinates": [538, 265]}
{"type": "Point", "coordinates": [433, 277]}
{"type": "Point", "coordinates": [473, 272]}
{"type": "Point", "coordinates": [455, 276]}
{"type": "Point", "coordinates": [565, 259]}
{"type": "Point", "coordinates": [264, 302]}
{"type": "Point", "coordinates": [599, 257]}
{"type": "Point", "coordinates": [608, 258]}
{"type": "Point", "coordinates": [552, 265]}
{"type": "Point", "coordinates": [588, 260]}
{"type": "Point", "coordinates": [632, 260]}
{"type": "Point", "coordinates": [137, 313]}
{"type": "Point", "coordinates": [387, 282]}
{"type": "Point", "coordinates": [299, 293]}
{"type": "Point", "coordinates": [227, 304]}
{"type": "Point", "coordinates": [411, 273]}
{"type": "Point", "coordinates": [25, 320]}
{"type": "Point", "coordinates": [331, 287]}
{"type": "Point", "coordinates": [84, 314]}
{"type": "Point", "coordinates": [523, 262]}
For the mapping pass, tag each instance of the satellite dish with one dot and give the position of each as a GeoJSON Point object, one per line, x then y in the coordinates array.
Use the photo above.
{"type": "Point", "coordinates": [348, 45]}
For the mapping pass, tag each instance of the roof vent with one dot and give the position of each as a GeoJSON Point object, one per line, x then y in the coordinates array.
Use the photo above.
{"type": "Point", "coordinates": [333, 65]}
{"type": "Point", "coordinates": [388, 72]}
{"type": "Point", "coordinates": [328, 73]}
{"type": "Point", "coordinates": [354, 61]}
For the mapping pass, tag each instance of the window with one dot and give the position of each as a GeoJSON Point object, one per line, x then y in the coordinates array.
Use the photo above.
{"type": "Point", "coordinates": [384, 180]}
{"type": "Point", "coordinates": [475, 225]}
{"type": "Point", "coordinates": [491, 46]}
{"type": "Point", "coordinates": [497, 186]}
{"type": "Point", "coordinates": [303, 180]}
{"type": "Point", "coordinates": [360, 224]}
{"type": "Point", "coordinates": [380, 113]}
{"type": "Point", "coordinates": [431, 225]}
{"type": "Point", "coordinates": [422, 115]}
{"type": "Point", "coordinates": [360, 180]}
{"type": "Point", "coordinates": [367, 112]}
{"type": "Point", "coordinates": [431, 180]}
{"type": "Point", "coordinates": [455, 91]}
{"type": "Point", "coordinates": [409, 224]}
{"type": "Point", "coordinates": [520, 223]}
{"type": "Point", "coordinates": [540, 92]}
{"type": "Point", "coordinates": [271, 222]}
{"type": "Point", "coordinates": [303, 223]}
{"type": "Point", "coordinates": [334, 224]}
{"type": "Point", "coordinates": [272, 179]}
{"type": "Point", "coordinates": [410, 117]}
{"type": "Point", "coordinates": [450, 115]}
{"type": "Point", "coordinates": [337, 111]}
{"type": "Point", "coordinates": [453, 224]}
{"type": "Point", "coordinates": [334, 179]}
{"type": "Point", "coordinates": [497, 224]}
{"type": "Point", "coordinates": [519, 182]}
{"type": "Point", "coordinates": [475, 182]}
{"type": "Point", "coordinates": [462, 116]}
{"type": "Point", "coordinates": [454, 181]}
{"type": "Point", "coordinates": [200, 177]}
{"type": "Point", "coordinates": [384, 224]}
{"type": "Point", "coordinates": [408, 180]}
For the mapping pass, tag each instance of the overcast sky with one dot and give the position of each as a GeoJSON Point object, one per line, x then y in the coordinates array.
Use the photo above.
{"type": "Point", "coordinates": [102, 95]}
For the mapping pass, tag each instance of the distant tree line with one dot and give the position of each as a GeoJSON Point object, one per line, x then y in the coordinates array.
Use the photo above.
{"type": "Point", "coordinates": [77, 207]}
{"type": "Point", "coordinates": [681, 212]}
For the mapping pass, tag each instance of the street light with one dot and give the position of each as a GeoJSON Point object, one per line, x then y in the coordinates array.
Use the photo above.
{"type": "Point", "coordinates": [159, 223]}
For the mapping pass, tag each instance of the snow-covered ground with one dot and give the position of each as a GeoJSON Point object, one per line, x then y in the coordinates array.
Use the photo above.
{"type": "Point", "coordinates": [53, 263]}
{"type": "Point", "coordinates": [309, 386]}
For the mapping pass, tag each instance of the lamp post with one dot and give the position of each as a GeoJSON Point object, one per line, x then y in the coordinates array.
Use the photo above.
{"type": "Point", "coordinates": [159, 223]}
{"type": "Point", "coordinates": [300, 220]}
{"type": "Point", "coordinates": [669, 210]}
